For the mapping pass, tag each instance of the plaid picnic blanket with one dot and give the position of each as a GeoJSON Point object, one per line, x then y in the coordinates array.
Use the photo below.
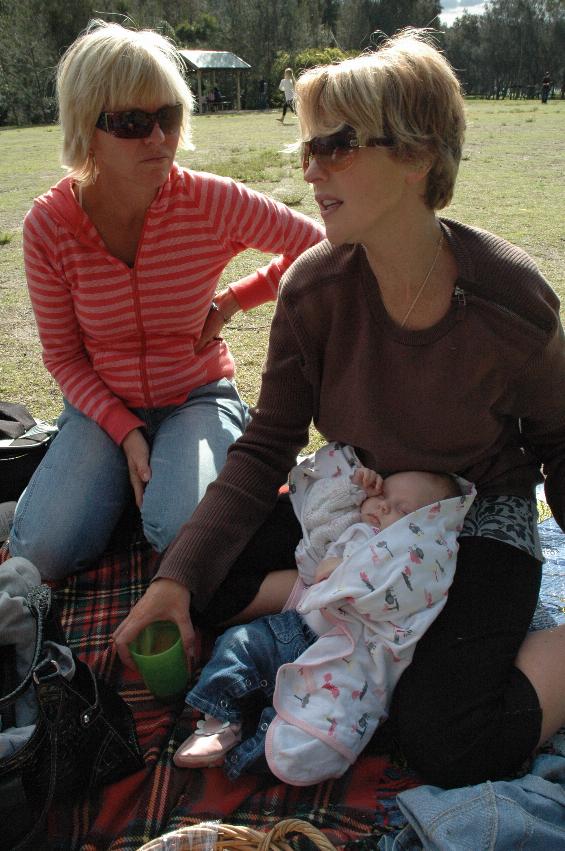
{"type": "Point", "coordinates": [354, 810]}
{"type": "Point", "coordinates": [163, 798]}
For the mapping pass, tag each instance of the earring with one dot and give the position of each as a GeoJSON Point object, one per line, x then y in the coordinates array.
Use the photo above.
{"type": "Point", "coordinates": [92, 170]}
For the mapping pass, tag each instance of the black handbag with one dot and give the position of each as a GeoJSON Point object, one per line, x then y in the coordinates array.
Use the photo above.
{"type": "Point", "coordinates": [84, 737]}
{"type": "Point", "coordinates": [23, 443]}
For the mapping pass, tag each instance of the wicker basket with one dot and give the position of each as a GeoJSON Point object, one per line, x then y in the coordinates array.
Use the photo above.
{"type": "Point", "coordinates": [216, 836]}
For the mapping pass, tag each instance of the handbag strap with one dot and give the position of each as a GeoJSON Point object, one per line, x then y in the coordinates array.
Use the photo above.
{"type": "Point", "coordinates": [39, 604]}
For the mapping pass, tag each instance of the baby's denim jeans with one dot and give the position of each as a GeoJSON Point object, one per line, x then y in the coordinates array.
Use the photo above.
{"type": "Point", "coordinates": [241, 674]}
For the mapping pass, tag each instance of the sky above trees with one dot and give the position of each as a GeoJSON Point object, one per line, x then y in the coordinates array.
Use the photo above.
{"type": "Point", "coordinates": [453, 9]}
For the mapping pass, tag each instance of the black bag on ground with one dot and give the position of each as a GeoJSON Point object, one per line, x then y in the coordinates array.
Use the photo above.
{"type": "Point", "coordinates": [23, 443]}
{"type": "Point", "coordinates": [84, 737]}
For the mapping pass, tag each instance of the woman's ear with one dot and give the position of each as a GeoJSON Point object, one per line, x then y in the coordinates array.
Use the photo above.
{"type": "Point", "coordinates": [418, 170]}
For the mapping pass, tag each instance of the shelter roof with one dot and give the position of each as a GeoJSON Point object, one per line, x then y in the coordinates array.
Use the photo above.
{"type": "Point", "coordinates": [213, 60]}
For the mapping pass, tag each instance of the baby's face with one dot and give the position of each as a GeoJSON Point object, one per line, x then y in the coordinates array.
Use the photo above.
{"type": "Point", "coordinates": [402, 494]}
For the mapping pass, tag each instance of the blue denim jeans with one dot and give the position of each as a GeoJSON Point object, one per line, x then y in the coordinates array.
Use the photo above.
{"type": "Point", "coordinates": [527, 814]}
{"type": "Point", "coordinates": [242, 672]}
{"type": "Point", "coordinates": [66, 515]}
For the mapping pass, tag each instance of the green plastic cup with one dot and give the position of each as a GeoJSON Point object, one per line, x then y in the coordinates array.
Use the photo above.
{"type": "Point", "coordinates": [159, 655]}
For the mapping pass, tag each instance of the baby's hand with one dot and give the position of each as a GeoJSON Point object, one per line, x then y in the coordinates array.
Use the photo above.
{"type": "Point", "coordinates": [326, 567]}
{"type": "Point", "coordinates": [367, 479]}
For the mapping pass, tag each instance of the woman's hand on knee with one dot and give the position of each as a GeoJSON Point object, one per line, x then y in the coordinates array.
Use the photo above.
{"type": "Point", "coordinates": [136, 450]}
{"type": "Point", "coordinates": [164, 600]}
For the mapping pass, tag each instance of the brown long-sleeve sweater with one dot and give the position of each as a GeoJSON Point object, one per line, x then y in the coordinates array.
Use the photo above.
{"type": "Point", "coordinates": [481, 393]}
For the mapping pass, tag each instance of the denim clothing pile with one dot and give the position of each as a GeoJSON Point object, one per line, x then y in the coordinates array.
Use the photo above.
{"type": "Point", "coordinates": [527, 813]}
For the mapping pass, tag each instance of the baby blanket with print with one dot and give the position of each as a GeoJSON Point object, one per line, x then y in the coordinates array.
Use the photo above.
{"type": "Point", "coordinates": [378, 602]}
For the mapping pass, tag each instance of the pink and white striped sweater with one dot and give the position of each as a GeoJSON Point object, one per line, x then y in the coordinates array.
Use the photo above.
{"type": "Point", "coordinates": [116, 337]}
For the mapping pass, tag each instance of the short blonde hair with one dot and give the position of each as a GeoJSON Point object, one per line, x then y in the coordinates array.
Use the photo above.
{"type": "Point", "coordinates": [407, 91]}
{"type": "Point", "coordinates": [110, 67]}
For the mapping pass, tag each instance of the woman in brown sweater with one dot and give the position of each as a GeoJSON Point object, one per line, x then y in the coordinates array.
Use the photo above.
{"type": "Point", "coordinates": [425, 344]}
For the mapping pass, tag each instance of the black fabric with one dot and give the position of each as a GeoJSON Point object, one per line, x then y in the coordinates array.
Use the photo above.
{"type": "Point", "coordinates": [271, 548]}
{"type": "Point", "coordinates": [462, 712]}
{"type": "Point", "coordinates": [84, 737]}
{"type": "Point", "coordinates": [17, 466]}
{"type": "Point", "coordinates": [8, 682]}
{"type": "Point", "coordinates": [15, 419]}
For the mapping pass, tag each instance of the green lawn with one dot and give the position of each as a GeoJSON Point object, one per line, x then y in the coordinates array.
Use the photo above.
{"type": "Point", "coordinates": [512, 181]}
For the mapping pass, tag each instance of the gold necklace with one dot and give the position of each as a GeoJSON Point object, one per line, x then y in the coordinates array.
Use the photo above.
{"type": "Point", "coordinates": [424, 282]}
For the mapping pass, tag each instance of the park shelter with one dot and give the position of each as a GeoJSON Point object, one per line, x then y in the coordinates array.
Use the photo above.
{"type": "Point", "coordinates": [203, 61]}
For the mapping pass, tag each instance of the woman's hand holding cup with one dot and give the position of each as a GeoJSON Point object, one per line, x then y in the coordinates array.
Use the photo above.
{"type": "Point", "coordinates": [164, 600]}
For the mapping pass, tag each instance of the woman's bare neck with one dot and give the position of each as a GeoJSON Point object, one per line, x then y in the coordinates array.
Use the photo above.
{"type": "Point", "coordinates": [406, 258]}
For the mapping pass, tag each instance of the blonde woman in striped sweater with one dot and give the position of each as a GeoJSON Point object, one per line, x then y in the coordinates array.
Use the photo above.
{"type": "Point", "coordinates": [122, 258]}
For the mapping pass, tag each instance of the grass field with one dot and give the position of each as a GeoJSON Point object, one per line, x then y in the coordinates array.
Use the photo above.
{"type": "Point", "coordinates": [512, 182]}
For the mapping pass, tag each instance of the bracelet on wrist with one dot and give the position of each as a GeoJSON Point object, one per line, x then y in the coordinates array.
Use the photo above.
{"type": "Point", "coordinates": [215, 307]}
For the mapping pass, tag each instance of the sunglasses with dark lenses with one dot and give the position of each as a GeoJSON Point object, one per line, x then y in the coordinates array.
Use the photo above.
{"type": "Point", "coordinates": [338, 151]}
{"type": "Point", "coordinates": [137, 124]}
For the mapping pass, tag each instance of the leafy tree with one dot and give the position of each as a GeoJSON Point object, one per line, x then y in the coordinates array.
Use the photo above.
{"type": "Point", "coordinates": [309, 58]}
{"type": "Point", "coordinates": [27, 58]}
{"type": "Point", "coordinates": [362, 20]}
{"type": "Point", "coordinates": [330, 15]}
{"type": "Point", "coordinates": [515, 36]}
{"type": "Point", "coordinates": [463, 47]}
{"type": "Point", "coordinates": [392, 16]}
{"type": "Point", "coordinates": [201, 32]}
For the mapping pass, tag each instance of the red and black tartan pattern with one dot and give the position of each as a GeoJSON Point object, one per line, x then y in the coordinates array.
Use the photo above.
{"type": "Point", "coordinates": [355, 809]}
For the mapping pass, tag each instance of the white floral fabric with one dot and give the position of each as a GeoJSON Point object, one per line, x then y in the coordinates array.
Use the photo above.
{"type": "Point", "coordinates": [377, 603]}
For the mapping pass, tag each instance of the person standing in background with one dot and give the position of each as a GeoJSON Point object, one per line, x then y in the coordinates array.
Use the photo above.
{"type": "Point", "coordinates": [286, 85]}
{"type": "Point", "coordinates": [545, 87]}
{"type": "Point", "coordinates": [263, 100]}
